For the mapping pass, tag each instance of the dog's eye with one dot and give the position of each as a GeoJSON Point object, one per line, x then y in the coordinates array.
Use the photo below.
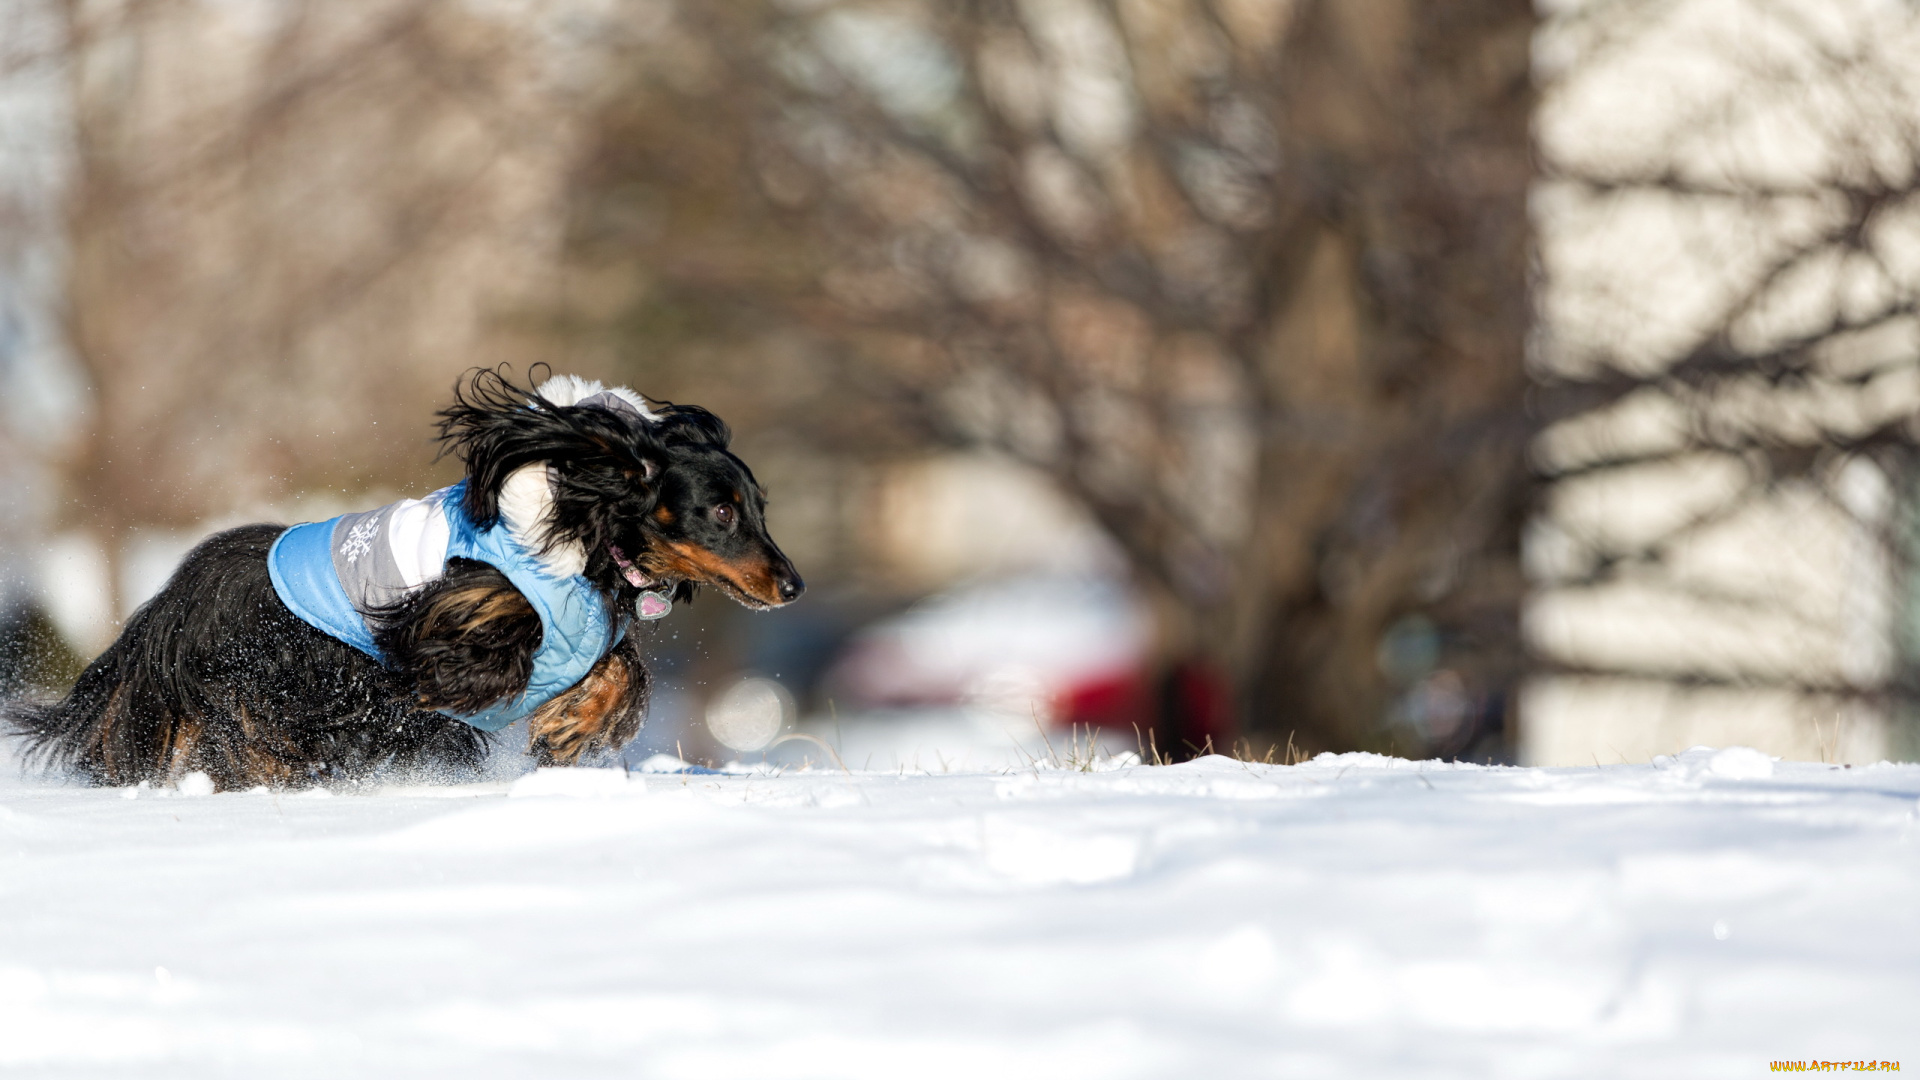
{"type": "Point", "coordinates": [723, 514]}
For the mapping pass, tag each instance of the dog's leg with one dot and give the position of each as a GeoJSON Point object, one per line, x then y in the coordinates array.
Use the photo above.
{"type": "Point", "coordinates": [602, 712]}
{"type": "Point", "coordinates": [467, 641]}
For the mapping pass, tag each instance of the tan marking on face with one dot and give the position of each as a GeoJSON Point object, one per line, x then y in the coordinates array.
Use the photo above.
{"type": "Point", "coordinates": [695, 563]}
{"type": "Point", "coordinates": [663, 514]}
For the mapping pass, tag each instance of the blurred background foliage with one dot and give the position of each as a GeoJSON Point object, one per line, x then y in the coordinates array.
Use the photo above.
{"type": "Point", "coordinates": [1476, 378]}
{"type": "Point", "coordinates": [1200, 266]}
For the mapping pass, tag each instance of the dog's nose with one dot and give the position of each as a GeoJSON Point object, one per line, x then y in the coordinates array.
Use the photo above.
{"type": "Point", "coordinates": [790, 588]}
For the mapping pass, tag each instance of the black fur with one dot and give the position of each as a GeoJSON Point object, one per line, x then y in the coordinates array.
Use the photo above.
{"type": "Point", "coordinates": [443, 640]}
{"type": "Point", "coordinates": [612, 473]}
{"type": "Point", "coordinates": [216, 675]}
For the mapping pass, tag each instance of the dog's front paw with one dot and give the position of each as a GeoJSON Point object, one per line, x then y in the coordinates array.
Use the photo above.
{"type": "Point", "coordinates": [601, 712]}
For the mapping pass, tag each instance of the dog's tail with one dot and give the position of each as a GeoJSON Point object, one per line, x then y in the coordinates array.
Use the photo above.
{"type": "Point", "coordinates": [92, 731]}
{"type": "Point", "coordinates": [141, 705]}
{"type": "Point", "coordinates": [215, 675]}
{"type": "Point", "coordinates": [33, 725]}
{"type": "Point", "coordinates": [51, 734]}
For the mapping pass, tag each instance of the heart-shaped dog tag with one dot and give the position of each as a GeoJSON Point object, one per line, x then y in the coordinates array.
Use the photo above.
{"type": "Point", "coordinates": [653, 605]}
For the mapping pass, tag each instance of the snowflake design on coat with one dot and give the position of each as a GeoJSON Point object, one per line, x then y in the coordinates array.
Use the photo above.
{"type": "Point", "coordinates": [359, 540]}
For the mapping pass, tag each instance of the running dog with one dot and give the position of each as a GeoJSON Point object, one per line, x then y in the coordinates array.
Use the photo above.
{"type": "Point", "coordinates": [403, 637]}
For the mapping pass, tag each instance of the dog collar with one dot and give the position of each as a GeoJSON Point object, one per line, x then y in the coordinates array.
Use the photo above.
{"type": "Point", "coordinates": [652, 603]}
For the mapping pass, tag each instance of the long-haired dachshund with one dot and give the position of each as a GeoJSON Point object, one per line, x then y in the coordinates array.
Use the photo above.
{"type": "Point", "coordinates": [402, 637]}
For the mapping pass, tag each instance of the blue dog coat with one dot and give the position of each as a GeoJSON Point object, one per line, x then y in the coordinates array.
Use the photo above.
{"type": "Point", "coordinates": [333, 573]}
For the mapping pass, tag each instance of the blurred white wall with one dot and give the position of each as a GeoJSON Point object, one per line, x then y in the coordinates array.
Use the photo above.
{"type": "Point", "coordinates": [1767, 615]}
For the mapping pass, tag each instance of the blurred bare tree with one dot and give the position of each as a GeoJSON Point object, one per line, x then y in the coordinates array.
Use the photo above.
{"type": "Point", "coordinates": [1730, 361]}
{"type": "Point", "coordinates": [38, 398]}
{"type": "Point", "coordinates": [1248, 278]}
{"type": "Point", "coordinates": [292, 225]}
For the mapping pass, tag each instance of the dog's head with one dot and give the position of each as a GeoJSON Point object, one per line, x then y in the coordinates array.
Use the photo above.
{"type": "Point", "coordinates": [632, 495]}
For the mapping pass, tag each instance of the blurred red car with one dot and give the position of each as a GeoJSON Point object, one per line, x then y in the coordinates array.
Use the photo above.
{"type": "Point", "coordinates": [1066, 650]}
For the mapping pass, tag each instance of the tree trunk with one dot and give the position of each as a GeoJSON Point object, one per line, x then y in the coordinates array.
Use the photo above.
{"type": "Point", "coordinates": [1392, 475]}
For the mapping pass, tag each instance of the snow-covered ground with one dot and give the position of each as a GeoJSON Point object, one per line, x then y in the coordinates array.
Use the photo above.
{"type": "Point", "coordinates": [1354, 916]}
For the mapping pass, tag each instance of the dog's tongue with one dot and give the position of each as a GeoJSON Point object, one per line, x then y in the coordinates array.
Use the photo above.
{"type": "Point", "coordinates": [635, 576]}
{"type": "Point", "coordinates": [651, 605]}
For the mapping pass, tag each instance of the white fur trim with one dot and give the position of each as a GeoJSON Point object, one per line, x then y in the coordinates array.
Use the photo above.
{"type": "Point", "coordinates": [526, 504]}
{"type": "Point", "coordinates": [572, 389]}
{"type": "Point", "coordinates": [417, 536]}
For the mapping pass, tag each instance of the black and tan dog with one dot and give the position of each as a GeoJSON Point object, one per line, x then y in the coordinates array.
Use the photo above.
{"type": "Point", "coordinates": [400, 637]}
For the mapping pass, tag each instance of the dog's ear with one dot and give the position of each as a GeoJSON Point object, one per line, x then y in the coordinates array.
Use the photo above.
{"type": "Point", "coordinates": [495, 427]}
{"type": "Point", "coordinates": [691, 425]}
